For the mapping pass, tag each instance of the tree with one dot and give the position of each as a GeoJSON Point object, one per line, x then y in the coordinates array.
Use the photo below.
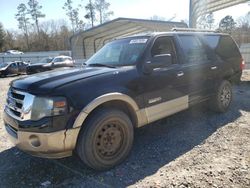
{"type": "Point", "coordinates": [227, 24]}
{"type": "Point", "coordinates": [102, 7]}
{"type": "Point", "coordinates": [2, 36]}
{"type": "Point", "coordinates": [206, 21]}
{"type": "Point", "coordinates": [79, 23]}
{"type": "Point", "coordinates": [23, 21]}
{"type": "Point", "coordinates": [73, 14]}
{"type": "Point", "coordinates": [242, 32]}
{"type": "Point", "coordinates": [156, 17]}
{"type": "Point", "coordinates": [35, 12]}
{"type": "Point", "coordinates": [69, 12]}
{"type": "Point", "coordinates": [9, 40]}
{"type": "Point", "coordinates": [90, 12]}
{"type": "Point", "coordinates": [244, 21]}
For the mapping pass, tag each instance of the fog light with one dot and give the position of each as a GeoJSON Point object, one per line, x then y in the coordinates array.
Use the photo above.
{"type": "Point", "coordinates": [34, 140]}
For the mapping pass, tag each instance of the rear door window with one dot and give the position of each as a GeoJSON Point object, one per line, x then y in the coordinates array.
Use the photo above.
{"type": "Point", "coordinates": [194, 51]}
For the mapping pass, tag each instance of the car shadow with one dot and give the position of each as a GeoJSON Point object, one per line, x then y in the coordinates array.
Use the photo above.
{"type": "Point", "coordinates": [12, 76]}
{"type": "Point", "coordinates": [155, 146]}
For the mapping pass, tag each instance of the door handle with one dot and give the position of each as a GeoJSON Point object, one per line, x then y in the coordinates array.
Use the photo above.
{"type": "Point", "coordinates": [179, 74]}
{"type": "Point", "coordinates": [213, 68]}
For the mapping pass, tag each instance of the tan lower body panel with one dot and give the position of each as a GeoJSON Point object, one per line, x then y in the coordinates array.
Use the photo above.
{"type": "Point", "coordinates": [49, 145]}
{"type": "Point", "coordinates": [165, 109]}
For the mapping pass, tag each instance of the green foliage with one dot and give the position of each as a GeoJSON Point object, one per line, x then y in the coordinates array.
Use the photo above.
{"type": "Point", "coordinates": [227, 24]}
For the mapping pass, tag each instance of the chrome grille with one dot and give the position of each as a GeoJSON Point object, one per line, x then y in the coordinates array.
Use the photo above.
{"type": "Point", "coordinates": [19, 104]}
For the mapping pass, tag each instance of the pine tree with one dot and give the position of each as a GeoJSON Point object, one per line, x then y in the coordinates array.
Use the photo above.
{"type": "Point", "coordinates": [227, 24]}
{"type": "Point", "coordinates": [35, 12]}
{"type": "Point", "coordinates": [23, 21]}
{"type": "Point", "coordinates": [102, 7]}
{"type": "Point", "coordinates": [73, 14]}
{"type": "Point", "coordinates": [90, 12]}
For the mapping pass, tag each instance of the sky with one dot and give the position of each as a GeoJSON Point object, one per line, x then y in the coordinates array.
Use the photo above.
{"type": "Point", "coordinates": [143, 9]}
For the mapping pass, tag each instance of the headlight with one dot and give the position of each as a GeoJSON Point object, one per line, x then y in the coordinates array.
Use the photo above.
{"type": "Point", "coordinates": [45, 107]}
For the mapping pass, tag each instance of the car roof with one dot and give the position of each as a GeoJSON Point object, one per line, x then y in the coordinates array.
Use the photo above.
{"type": "Point", "coordinates": [62, 56]}
{"type": "Point", "coordinates": [153, 34]}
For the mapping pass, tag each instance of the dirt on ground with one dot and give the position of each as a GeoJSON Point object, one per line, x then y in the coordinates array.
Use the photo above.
{"type": "Point", "coordinates": [194, 148]}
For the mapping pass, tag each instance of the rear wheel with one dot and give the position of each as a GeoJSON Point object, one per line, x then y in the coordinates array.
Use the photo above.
{"type": "Point", "coordinates": [222, 99]}
{"type": "Point", "coordinates": [106, 139]}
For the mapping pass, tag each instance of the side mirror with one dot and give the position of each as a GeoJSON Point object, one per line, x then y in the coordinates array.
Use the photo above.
{"type": "Point", "coordinates": [158, 61]}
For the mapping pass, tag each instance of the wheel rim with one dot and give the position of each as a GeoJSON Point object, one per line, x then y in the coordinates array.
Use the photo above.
{"type": "Point", "coordinates": [225, 96]}
{"type": "Point", "coordinates": [109, 140]}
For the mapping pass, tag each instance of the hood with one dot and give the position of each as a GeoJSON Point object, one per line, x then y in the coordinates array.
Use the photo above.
{"type": "Point", "coordinates": [43, 83]}
{"type": "Point", "coordinates": [3, 68]}
{"type": "Point", "coordinates": [37, 64]}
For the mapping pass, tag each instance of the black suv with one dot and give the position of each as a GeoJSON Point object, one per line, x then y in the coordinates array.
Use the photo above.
{"type": "Point", "coordinates": [130, 82]}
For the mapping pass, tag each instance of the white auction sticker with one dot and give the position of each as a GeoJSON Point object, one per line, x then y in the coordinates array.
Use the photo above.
{"type": "Point", "coordinates": [138, 41]}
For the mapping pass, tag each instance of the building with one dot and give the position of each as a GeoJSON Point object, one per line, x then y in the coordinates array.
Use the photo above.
{"type": "Point", "coordinates": [84, 44]}
{"type": "Point", "coordinates": [201, 7]}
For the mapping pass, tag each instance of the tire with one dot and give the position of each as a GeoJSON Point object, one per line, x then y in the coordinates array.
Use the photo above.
{"type": "Point", "coordinates": [221, 101]}
{"type": "Point", "coordinates": [106, 139]}
{"type": "Point", "coordinates": [3, 75]}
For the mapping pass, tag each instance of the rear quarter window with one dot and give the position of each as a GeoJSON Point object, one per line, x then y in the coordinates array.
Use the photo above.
{"type": "Point", "coordinates": [224, 46]}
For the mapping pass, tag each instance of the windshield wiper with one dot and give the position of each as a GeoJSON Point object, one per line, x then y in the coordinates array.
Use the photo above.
{"type": "Point", "coordinates": [100, 65]}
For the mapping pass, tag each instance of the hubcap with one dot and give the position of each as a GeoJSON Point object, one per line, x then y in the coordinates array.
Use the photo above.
{"type": "Point", "coordinates": [109, 139]}
{"type": "Point", "coordinates": [225, 96]}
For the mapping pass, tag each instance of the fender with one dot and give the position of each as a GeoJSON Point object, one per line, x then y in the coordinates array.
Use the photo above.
{"type": "Point", "coordinates": [141, 115]}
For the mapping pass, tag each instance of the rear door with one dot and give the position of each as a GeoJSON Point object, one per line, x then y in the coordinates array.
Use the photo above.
{"type": "Point", "coordinates": [197, 67]}
{"type": "Point", "coordinates": [59, 62]}
{"type": "Point", "coordinates": [13, 68]}
{"type": "Point", "coordinates": [21, 67]}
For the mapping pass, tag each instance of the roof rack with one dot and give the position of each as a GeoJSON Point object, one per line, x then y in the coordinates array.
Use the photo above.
{"type": "Point", "coordinates": [192, 30]}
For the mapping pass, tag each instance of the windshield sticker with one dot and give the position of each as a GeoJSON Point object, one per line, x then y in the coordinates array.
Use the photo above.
{"type": "Point", "coordinates": [138, 41]}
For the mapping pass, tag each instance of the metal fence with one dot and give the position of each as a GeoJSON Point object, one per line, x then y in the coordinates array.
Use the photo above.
{"type": "Point", "coordinates": [245, 52]}
{"type": "Point", "coordinates": [32, 57]}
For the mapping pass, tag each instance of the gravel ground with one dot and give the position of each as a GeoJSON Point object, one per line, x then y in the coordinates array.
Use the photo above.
{"type": "Point", "coordinates": [195, 148]}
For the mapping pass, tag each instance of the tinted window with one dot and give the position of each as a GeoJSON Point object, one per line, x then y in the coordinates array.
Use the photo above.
{"type": "Point", "coordinates": [224, 46]}
{"type": "Point", "coordinates": [46, 60]}
{"type": "Point", "coordinates": [163, 45]}
{"type": "Point", "coordinates": [13, 65]}
{"type": "Point", "coordinates": [193, 49]}
{"type": "Point", "coordinates": [58, 60]}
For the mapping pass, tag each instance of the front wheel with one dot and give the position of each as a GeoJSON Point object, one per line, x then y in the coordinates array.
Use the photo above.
{"type": "Point", "coordinates": [106, 139]}
{"type": "Point", "coordinates": [222, 99]}
{"type": "Point", "coordinates": [3, 74]}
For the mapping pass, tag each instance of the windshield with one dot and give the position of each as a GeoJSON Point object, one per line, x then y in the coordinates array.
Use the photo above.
{"type": "Point", "coordinates": [58, 59]}
{"type": "Point", "coordinates": [2, 65]}
{"type": "Point", "coordinates": [119, 53]}
{"type": "Point", "coordinates": [45, 60]}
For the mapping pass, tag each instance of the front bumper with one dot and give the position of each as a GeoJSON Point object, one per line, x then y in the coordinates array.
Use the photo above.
{"type": "Point", "coordinates": [56, 144]}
